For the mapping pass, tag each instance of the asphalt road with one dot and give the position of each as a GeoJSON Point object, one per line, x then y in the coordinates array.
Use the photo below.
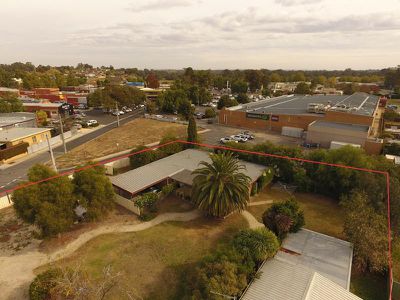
{"type": "Point", "coordinates": [11, 176]}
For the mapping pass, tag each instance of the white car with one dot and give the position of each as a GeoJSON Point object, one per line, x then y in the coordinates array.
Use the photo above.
{"type": "Point", "coordinates": [91, 122]}
{"type": "Point", "coordinates": [128, 109]}
{"type": "Point", "coordinates": [239, 138]}
{"type": "Point", "coordinates": [121, 112]}
{"type": "Point", "coordinates": [227, 140]}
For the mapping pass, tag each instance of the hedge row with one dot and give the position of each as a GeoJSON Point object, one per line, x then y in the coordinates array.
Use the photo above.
{"type": "Point", "coordinates": [13, 151]}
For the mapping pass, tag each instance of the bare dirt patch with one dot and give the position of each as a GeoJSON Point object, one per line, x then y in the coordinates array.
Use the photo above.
{"type": "Point", "coordinates": [130, 135]}
{"type": "Point", "coordinates": [15, 234]}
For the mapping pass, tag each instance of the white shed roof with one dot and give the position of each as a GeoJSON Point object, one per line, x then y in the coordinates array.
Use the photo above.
{"type": "Point", "coordinates": [281, 280]}
{"type": "Point", "coordinates": [141, 178]}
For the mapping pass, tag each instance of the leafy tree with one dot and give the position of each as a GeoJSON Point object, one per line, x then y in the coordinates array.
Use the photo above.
{"type": "Point", "coordinates": [255, 79]}
{"type": "Point", "coordinates": [210, 113]}
{"type": "Point", "coordinates": [48, 204]}
{"type": "Point", "coordinates": [302, 88]}
{"type": "Point", "coordinates": [225, 101]}
{"type": "Point", "coordinates": [260, 244]}
{"type": "Point", "coordinates": [171, 148]}
{"type": "Point", "coordinates": [204, 95]}
{"type": "Point", "coordinates": [239, 86]}
{"type": "Point", "coordinates": [220, 187]}
{"type": "Point", "coordinates": [185, 109]}
{"type": "Point", "coordinates": [10, 103]}
{"type": "Point", "coordinates": [151, 107]}
{"type": "Point", "coordinates": [152, 81]}
{"type": "Point", "coordinates": [144, 157]}
{"type": "Point", "coordinates": [266, 92]}
{"type": "Point", "coordinates": [41, 117]}
{"type": "Point", "coordinates": [367, 230]}
{"type": "Point", "coordinates": [284, 217]}
{"type": "Point", "coordinates": [242, 98]}
{"type": "Point", "coordinates": [95, 192]}
{"type": "Point", "coordinates": [275, 77]}
{"type": "Point", "coordinates": [192, 132]}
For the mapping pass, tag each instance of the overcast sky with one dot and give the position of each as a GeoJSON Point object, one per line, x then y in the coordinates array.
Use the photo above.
{"type": "Point", "coordinates": [216, 34]}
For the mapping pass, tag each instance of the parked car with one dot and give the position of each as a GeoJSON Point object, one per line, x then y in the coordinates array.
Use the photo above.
{"type": "Point", "coordinates": [247, 135]}
{"type": "Point", "coordinates": [239, 138]}
{"type": "Point", "coordinates": [77, 125]}
{"type": "Point", "coordinates": [225, 140]}
{"type": "Point", "coordinates": [128, 109]}
{"type": "Point", "coordinates": [82, 106]}
{"type": "Point", "coordinates": [91, 122]}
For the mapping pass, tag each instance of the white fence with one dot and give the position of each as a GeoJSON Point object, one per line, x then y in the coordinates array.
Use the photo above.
{"type": "Point", "coordinates": [4, 202]}
{"type": "Point", "coordinates": [54, 140]}
{"type": "Point", "coordinates": [128, 204]}
{"type": "Point", "coordinates": [120, 163]}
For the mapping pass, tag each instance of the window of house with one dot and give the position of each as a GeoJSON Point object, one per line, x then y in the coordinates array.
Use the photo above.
{"type": "Point", "coordinates": [34, 139]}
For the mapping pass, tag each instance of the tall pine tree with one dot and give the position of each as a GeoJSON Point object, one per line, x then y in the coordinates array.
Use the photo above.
{"type": "Point", "coordinates": [192, 132]}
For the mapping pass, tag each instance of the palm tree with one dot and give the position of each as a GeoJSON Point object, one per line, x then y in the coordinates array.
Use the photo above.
{"type": "Point", "coordinates": [220, 187]}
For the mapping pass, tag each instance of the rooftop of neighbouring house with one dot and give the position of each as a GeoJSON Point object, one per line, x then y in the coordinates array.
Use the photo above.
{"type": "Point", "coordinates": [358, 103]}
{"type": "Point", "coordinates": [309, 266]}
{"type": "Point", "coordinates": [7, 119]}
{"type": "Point", "coordinates": [17, 133]}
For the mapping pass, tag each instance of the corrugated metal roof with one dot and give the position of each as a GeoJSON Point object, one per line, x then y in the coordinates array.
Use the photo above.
{"type": "Point", "coordinates": [16, 133]}
{"type": "Point", "coordinates": [281, 280]}
{"type": "Point", "coordinates": [327, 255]}
{"type": "Point", "coordinates": [138, 179]}
{"type": "Point", "coordinates": [185, 176]}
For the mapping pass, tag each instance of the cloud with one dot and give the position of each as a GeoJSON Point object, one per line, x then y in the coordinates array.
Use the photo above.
{"type": "Point", "coordinates": [296, 2]}
{"type": "Point", "coordinates": [161, 5]}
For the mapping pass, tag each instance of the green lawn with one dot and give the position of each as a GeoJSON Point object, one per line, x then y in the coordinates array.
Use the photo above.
{"type": "Point", "coordinates": [153, 261]}
{"type": "Point", "coordinates": [369, 286]}
{"type": "Point", "coordinates": [322, 214]}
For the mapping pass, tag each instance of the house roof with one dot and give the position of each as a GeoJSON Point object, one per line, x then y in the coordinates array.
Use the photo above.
{"type": "Point", "coordinates": [146, 176]}
{"type": "Point", "coordinates": [310, 266]}
{"type": "Point", "coordinates": [185, 176]}
{"type": "Point", "coordinates": [327, 255]}
{"type": "Point", "coordinates": [281, 280]}
{"type": "Point", "coordinates": [7, 119]}
{"type": "Point", "coordinates": [17, 133]}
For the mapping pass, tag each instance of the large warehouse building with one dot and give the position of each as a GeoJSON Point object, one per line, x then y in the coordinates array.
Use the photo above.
{"type": "Point", "coordinates": [323, 118]}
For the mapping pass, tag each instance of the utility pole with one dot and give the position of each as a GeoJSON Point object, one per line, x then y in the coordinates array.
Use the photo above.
{"type": "Point", "coordinates": [117, 111]}
{"type": "Point", "coordinates": [51, 154]}
{"type": "Point", "coordinates": [62, 134]}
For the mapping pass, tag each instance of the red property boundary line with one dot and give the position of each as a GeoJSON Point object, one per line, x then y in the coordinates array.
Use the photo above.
{"type": "Point", "coordinates": [386, 174]}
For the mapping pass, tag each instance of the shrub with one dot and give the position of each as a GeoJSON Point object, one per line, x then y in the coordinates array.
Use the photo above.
{"type": "Point", "coordinates": [13, 151]}
{"type": "Point", "coordinates": [260, 244]}
{"type": "Point", "coordinates": [173, 147]}
{"type": "Point", "coordinates": [147, 201]}
{"type": "Point", "coordinates": [41, 286]}
{"type": "Point", "coordinates": [210, 113]}
{"type": "Point", "coordinates": [168, 189]}
{"type": "Point", "coordinates": [282, 218]}
{"type": "Point", "coordinates": [145, 157]}
{"type": "Point", "coordinates": [265, 179]}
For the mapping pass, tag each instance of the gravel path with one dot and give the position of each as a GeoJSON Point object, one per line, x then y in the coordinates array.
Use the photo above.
{"type": "Point", "coordinates": [16, 272]}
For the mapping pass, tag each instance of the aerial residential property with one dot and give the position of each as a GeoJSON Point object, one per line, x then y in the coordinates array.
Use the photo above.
{"type": "Point", "coordinates": [200, 150]}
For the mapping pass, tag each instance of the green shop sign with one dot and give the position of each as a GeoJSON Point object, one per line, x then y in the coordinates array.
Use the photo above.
{"type": "Point", "coordinates": [257, 116]}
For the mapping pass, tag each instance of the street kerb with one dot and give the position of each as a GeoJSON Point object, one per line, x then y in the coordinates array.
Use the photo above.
{"type": "Point", "coordinates": [386, 174]}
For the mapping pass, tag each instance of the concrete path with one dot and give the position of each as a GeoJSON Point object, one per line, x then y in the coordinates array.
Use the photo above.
{"type": "Point", "coordinates": [16, 272]}
{"type": "Point", "coordinates": [260, 203]}
{"type": "Point", "coordinates": [253, 222]}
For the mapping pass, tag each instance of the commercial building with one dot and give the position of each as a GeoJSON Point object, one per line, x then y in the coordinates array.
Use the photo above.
{"type": "Point", "coordinates": [17, 119]}
{"type": "Point", "coordinates": [174, 168]}
{"type": "Point", "coordinates": [309, 266]}
{"type": "Point", "coordinates": [53, 110]}
{"type": "Point", "coordinates": [308, 113]}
